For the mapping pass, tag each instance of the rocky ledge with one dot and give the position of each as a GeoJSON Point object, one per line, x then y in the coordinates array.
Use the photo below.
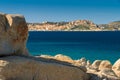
{"type": "Point", "coordinates": [17, 64]}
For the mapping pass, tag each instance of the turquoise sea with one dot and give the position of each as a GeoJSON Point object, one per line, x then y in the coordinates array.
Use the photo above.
{"type": "Point", "coordinates": [102, 45]}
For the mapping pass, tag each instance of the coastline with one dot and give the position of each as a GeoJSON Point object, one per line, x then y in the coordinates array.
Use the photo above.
{"type": "Point", "coordinates": [75, 31]}
{"type": "Point", "coordinates": [77, 25]}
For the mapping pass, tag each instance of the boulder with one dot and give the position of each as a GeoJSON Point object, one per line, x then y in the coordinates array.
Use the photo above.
{"type": "Point", "coordinates": [13, 34]}
{"type": "Point", "coordinates": [45, 56]}
{"type": "Point", "coordinates": [63, 58]}
{"type": "Point", "coordinates": [108, 74]}
{"type": "Point", "coordinates": [95, 64]}
{"type": "Point", "coordinates": [116, 67]}
{"type": "Point", "coordinates": [29, 68]}
{"type": "Point", "coordinates": [105, 64]}
{"type": "Point", "coordinates": [80, 62]}
{"type": "Point", "coordinates": [105, 74]}
{"type": "Point", "coordinates": [88, 64]}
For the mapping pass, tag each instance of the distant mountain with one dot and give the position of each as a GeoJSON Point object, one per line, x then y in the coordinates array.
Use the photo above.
{"type": "Point", "coordinates": [111, 26]}
{"type": "Point", "coordinates": [78, 25]}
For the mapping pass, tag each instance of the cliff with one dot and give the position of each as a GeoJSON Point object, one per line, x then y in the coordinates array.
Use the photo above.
{"type": "Point", "coordinates": [78, 25]}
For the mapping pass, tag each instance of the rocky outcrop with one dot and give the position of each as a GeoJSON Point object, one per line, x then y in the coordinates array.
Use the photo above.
{"type": "Point", "coordinates": [79, 63]}
{"type": "Point", "coordinates": [30, 68]}
{"type": "Point", "coordinates": [102, 69]}
{"type": "Point", "coordinates": [98, 70]}
{"type": "Point", "coordinates": [61, 57]}
{"type": "Point", "coordinates": [48, 68]}
{"type": "Point", "coordinates": [13, 34]}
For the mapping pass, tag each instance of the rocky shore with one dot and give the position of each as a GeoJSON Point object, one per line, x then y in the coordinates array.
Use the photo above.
{"type": "Point", "coordinates": [59, 67]}
{"type": "Point", "coordinates": [98, 70]}
{"type": "Point", "coordinates": [17, 64]}
{"type": "Point", "coordinates": [78, 25]}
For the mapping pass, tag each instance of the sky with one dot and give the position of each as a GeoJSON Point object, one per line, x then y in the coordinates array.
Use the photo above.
{"type": "Point", "coordinates": [98, 11]}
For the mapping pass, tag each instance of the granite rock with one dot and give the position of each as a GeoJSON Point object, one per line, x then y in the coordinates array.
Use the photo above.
{"type": "Point", "coordinates": [13, 34]}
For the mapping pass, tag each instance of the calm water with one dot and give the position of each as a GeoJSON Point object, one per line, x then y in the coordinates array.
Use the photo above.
{"type": "Point", "coordinates": [91, 45]}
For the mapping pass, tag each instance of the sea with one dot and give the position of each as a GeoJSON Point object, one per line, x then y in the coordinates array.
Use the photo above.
{"type": "Point", "coordinates": [92, 45]}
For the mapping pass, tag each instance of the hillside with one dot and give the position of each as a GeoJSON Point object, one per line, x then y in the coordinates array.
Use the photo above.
{"type": "Point", "coordinates": [78, 25]}
{"type": "Point", "coordinates": [111, 26]}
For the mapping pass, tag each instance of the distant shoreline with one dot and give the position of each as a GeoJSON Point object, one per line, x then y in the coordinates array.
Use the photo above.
{"type": "Point", "coordinates": [75, 31]}
{"type": "Point", "coordinates": [78, 25]}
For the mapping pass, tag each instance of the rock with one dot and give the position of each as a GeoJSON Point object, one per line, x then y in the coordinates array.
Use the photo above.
{"type": "Point", "coordinates": [29, 68]}
{"type": "Point", "coordinates": [94, 77]}
{"type": "Point", "coordinates": [102, 70]}
{"type": "Point", "coordinates": [59, 57]}
{"type": "Point", "coordinates": [105, 74]}
{"type": "Point", "coordinates": [67, 59]}
{"type": "Point", "coordinates": [83, 62]}
{"type": "Point", "coordinates": [13, 34]}
{"type": "Point", "coordinates": [80, 62]}
{"type": "Point", "coordinates": [96, 64]}
{"type": "Point", "coordinates": [105, 64]}
{"type": "Point", "coordinates": [63, 58]}
{"type": "Point", "coordinates": [116, 67]}
{"type": "Point", "coordinates": [46, 56]}
{"type": "Point", "coordinates": [82, 67]}
{"type": "Point", "coordinates": [88, 64]}
{"type": "Point", "coordinates": [108, 74]}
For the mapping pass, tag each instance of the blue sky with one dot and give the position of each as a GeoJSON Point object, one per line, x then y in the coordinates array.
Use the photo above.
{"type": "Point", "coordinates": [98, 11]}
